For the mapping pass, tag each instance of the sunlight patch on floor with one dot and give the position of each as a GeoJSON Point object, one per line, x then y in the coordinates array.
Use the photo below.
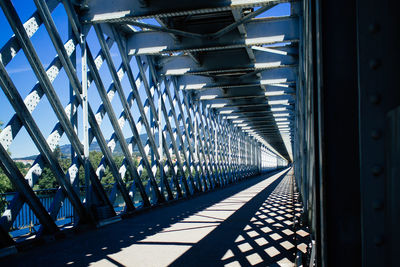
{"type": "Point", "coordinates": [164, 247]}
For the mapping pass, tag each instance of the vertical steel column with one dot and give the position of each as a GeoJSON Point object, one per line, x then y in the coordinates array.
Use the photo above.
{"type": "Point", "coordinates": [173, 141]}
{"type": "Point", "coordinates": [378, 45]}
{"type": "Point", "coordinates": [153, 122]}
{"type": "Point", "coordinates": [222, 145]}
{"type": "Point", "coordinates": [85, 119]}
{"type": "Point", "coordinates": [188, 126]}
{"type": "Point", "coordinates": [160, 146]}
{"type": "Point", "coordinates": [230, 158]}
{"type": "Point", "coordinates": [125, 61]}
{"type": "Point", "coordinates": [251, 154]}
{"type": "Point", "coordinates": [201, 138]}
{"type": "Point", "coordinates": [195, 131]}
{"type": "Point", "coordinates": [217, 146]}
{"type": "Point", "coordinates": [117, 130]}
{"type": "Point", "coordinates": [207, 144]}
{"type": "Point", "coordinates": [199, 153]}
{"type": "Point", "coordinates": [180, 136]}
{"type": "Point", "coordinates": [243, 150]}
{"type": "Point", "coordinates": [207, 128]}
{"type": "Point", "coordinates": [237, 141]}
{"type": "Point", "coordinates": [37, 168]}
{"type": "Point", "coordinates": [74, 122]}
{"type": "Point", "coordinates": [215, 141]}
{"type": "Point", "coordinates": [235, 152]}
{"type": "Point", "coordinates": [338, 129]}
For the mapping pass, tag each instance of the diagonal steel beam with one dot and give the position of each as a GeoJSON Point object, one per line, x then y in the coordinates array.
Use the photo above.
{"type": "Point", "coordinates": [201, 146]}
{"type": "Point", "coordinates": [11, 48]}
{"type": "Point", "coordinates": [179, 133]}
{"type": "Point", "coordinates": [53, 99]}
{"type": "Point", "coordinates": [156, 81]}
{"type": "Point", "coordinates": [77, 87]}
{"type": "Point", "coordinates": [211, 141]}
{"type": "Point", "coordinates": [173, 142]}
{"type": "Point", "coordinates": [187, 128]}
{"type": "Point", "coordinates": [241, 21]}
{"type": "Point", "coordinates": [127, 110]}
{"type": "Point", "coordinates": [18, 181]}
{"type": "Point", "coordinates": [141, 110]}
{"type": "Point", "coordinates": [14, 125]}
{"type": "Point", "coordinates": [191, 130]}
{"type": "Point", "coordinates": [19, 106]}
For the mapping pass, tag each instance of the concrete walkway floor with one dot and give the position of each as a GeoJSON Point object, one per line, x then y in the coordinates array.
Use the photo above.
{"type": "Point", "coordinates": [246, 224]}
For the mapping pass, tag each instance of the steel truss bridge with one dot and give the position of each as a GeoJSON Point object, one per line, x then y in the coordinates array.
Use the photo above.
{"type": "Point", "coordinates": [206, 94]}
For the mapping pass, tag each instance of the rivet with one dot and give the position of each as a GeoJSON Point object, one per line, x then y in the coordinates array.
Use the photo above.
{"type": "Point", "coordinates": [374, 64]}
{"type": "Point", "coordinates": [374, 99]}
{"type": "Point", "coordinates": [376, 170]}
{"type": "Point", "coordinates": [374, 28]}
{"type": "Point", "coordinates": [377, 205]}
{"type": "Point", "coordinates": [376, 134]}
{"type": "Point", "coordinates": [378, 240]}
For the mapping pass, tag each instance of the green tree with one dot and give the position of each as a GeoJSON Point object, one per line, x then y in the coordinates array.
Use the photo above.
{"type": "Point", "coordinates": [57, 152]}
{"type": "Point", "coordinates": [47, 180]}
{"type": "Point", "coordinates": [5, 184]}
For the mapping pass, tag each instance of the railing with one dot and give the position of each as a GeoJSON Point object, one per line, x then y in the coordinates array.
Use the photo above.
{"type": "Point", "coordinates": [27, 222]}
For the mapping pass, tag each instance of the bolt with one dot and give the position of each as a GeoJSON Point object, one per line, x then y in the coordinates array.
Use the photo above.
{"type": "Point", "coordinates": [374, 64]}
{"type": "Point", "coordinates": [374, 28]}
{"type": "Point", "coordinates": [377, 205]}
{"type": "Point", "coordinates": [376, 134]}
{"type": "Point", "coordinates": [378, 240]}
{"type": "Point", "coordinates": [376, 170]}
{"type": "Point", "coordinates": [374, 99]}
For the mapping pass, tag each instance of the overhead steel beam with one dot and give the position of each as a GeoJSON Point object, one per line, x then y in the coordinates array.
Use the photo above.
{"type": "Point", "coordinates": [267, 77]}
{"type": "Point", "coordinates": [98, 11]}
{"type": "Point", "coordinates": [164, 29]}
{"type": "Point", "coordinates": [210, 98]}
{"type": "Point", "coordinates": [256, 99]}
{"type": "Point", "coordinates": [286, 107]}
{"type": "Point", "coordinates": [244, 112]}
{"type": "Point", "coordinates": [255, 126]}
{"type": "Point", "coordinates": [264, 120]}
{"type": "Point", "coordinates": [259, 31]}
{"type": "Point", "coordinates": [224, 61]}
{"type": "Point", "coordinates": [244, 118]}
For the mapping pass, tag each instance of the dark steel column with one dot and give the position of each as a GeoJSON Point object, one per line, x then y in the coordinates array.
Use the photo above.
{"type": "Point", "coordinates": [337, 94]}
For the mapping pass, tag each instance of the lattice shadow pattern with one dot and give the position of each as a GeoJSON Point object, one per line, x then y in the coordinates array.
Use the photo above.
{"type": "Point", "coordinates": [190, 155]}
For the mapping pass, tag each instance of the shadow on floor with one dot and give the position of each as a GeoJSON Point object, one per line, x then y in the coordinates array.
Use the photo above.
{"type": "Point", "coordinates": [252, 221]}
{"type": "Point", "coordinates": [260, 233]}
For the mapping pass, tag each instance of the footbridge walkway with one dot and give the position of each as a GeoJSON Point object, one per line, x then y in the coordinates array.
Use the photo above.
{"type": "Point", "coordinates": [251, 223]}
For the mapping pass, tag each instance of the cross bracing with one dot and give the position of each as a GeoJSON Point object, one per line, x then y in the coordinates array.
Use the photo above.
{"type": "Point", "coordinates": [179, 81]}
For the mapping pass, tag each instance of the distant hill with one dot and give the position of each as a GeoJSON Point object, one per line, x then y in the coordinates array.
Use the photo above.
{"type": "Point", "coordinates": [26, 158]}
{"type": "Point", "coordinates": [94, 146]}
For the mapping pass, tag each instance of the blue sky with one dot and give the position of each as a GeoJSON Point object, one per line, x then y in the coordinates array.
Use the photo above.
{"type": "Point", "coordinates": [25, 79]}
